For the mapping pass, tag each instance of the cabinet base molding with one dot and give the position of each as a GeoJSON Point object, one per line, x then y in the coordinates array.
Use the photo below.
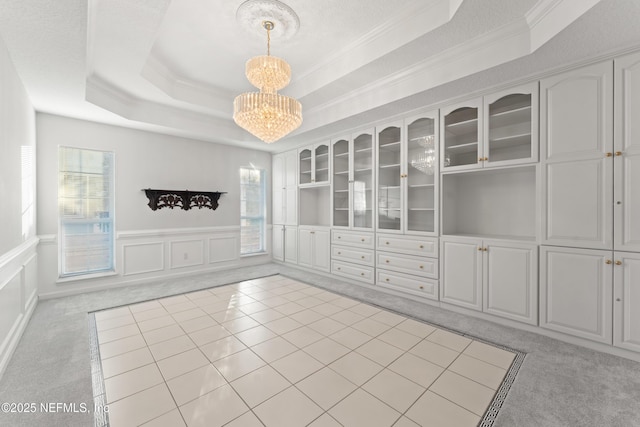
{"type": "Point", "coordinates": [603, 348]}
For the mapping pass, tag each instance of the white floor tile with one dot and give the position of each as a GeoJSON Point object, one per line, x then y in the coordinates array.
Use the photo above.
{"type": "Point", "coordinates": [109, 335]}
{"type": "Point", "coordinates": [464, 392]}
{"type": "Point", "coordinates": [289, 408]}
{"type": "Point", "coordinates": [326, 350]}
{"type": "Point", "coordinates": [254, 336]}
{"type": "Point", "coordinates": [260, 385]}
{"type": "Point", "coordinates": [435, 353]}
{"type": "Point", "coordinates": [478, 371]}
{"type": "Point", "coordinates": [238, 364]}
{"type": "Point", "coordinates": [121, 346]}
{"type": "Point", "coordinates": [449, 339]}
{"type": "Point", "coordinates": [248, 419]}
{"type": "Point", "coordinates": [214, 409]}
{"type": "Point", "coordinates": [302, 337]}
{"type": "Point", "coordinates": [274, 349]}
{"type": "Point", "coordinates": [132, 382]}
{"type": "Point", "coordinates": [325, 420]}
{"type": "Point", "coordinates": [196, 383]}
{"type": "Point", "coordinates": [416, 328]}
{"type": "Point", "coordinates": [126, 362]}
{"type": "Point", "coordinates": [141, 407]}
{"type": "Point", "coordinates": [170, 419]}
{"type": "Point", "coordinates": [156, 323]}
{"type": "Point", "coordinates": [210, 334]}
{"type": "Point", "coordinates": [182, 363]}
{"type": "Point", "coordinates": [222, 348]}
{"type": "Point", "coordinates": [162, 334]}
{"type": "Point", "coordinates": [240, 324]}
{"type": "Point", "coordinates": [362, 409]}
{"type": "Point", "coordinates": [394, 390]}
{"type": "Point", "coordinates": [326, 387]}
{"type": "Point", "coordinates": [402, 340]}
{"type": "Point", "coordinates": [351, 338]}
{"type": "Point", "coordinates": [379, 351]}
{"type": "Point", "coordinates": [418, 370]}
{"type": "Point", "coordinates": [356, 368]}
{"type": "Point", "coordinates": [434, 410]}
{"type": "Point", "coordinates": [198, 323]}
{"type": "Point", "coordinates": [495, 356]}
{"type": "Point", "coordinates": [283, 325]}
{"type": "Point", "coordinates": [297, 366]}
{"type": "Point", "coordinates": [171, 347]}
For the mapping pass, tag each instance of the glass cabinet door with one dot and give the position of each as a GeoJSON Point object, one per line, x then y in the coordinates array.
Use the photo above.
{"type": "Point", "coordinates": [422, 169]}
{"type": "Point", "coordinates": [363, 181]}
{"type": "Point", "coordinates": [341, 193]}
{"type": "Point", "coordinates": [305, 166]}
{"type": "Point", "coordinates": [509, 128]}
{"type": "Point", "coordinates": [461, 137]}
{"type": "Point", "coordinates": [389, 170]}
{"type": "Point", "coordinates": [321, 153]}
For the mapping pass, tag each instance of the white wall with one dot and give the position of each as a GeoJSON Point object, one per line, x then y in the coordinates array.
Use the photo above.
{"type": "Point", "coordinates": [18, 261]}
{"type": "Point", "coordinates": [149, 244]}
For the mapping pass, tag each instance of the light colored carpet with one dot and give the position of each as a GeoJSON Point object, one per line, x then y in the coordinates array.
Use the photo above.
{"type": "Point", "coordinates": [559, 384]}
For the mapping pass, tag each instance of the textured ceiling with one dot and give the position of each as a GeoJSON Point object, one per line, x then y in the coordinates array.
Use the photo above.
{"type": "Point", "coordinates": [175, 66]}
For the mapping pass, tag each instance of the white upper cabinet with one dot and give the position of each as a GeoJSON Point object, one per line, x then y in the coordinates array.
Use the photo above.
{"type": "Point", "coordinates": [407, 159]}
{"type": "Point", "coordinates": [461, 136]}
{"type": "Point", "coordinates": [314, 164]}
{"type": "Point", "coordinates": [576, 134]}
{"type": "Point", "coordinates": [353, 178]}
{"type": "Point", "coordinates": [627, 153]}
{"type": "Point", "coordinates": [511, 127]}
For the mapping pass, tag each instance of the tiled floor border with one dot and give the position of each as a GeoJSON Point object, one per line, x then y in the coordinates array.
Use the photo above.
{"type": "Point", "coordinates": [101, 418]}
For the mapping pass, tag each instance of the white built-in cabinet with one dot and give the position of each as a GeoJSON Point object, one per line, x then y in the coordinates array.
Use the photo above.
{"type": "Point", "coordinates": [313, 247]}
{"type": "Point", "coordinates": [576, 292]}
{"type": "Point", "coordinates": [522, 204]}
{"type": "Point", "coordinates": [627, 154]}
{"type": "Point", "coordinates": [576, 121]}
{"type": "Point", "coordinates": [497, 277]}
{"type": "Point", "coordinates": [496, 130]}
{"type": "Point", "coordinates": [591, 205]}
{"type": "Point", "coordinates": [407, 175]}
{"type": "Point", "coordinates": [353, 181]}
{"type": "Point", "coordinates": [314, 164]}
{"type": "Point", "coordinates": [284, 206]}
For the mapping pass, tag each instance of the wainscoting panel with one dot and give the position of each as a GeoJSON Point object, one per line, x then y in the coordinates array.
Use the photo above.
{"type": "Point", "coordinates": [138, 258]}
{"type": "Point", "coordinates": [223, 249]}
{"type": "Point", "coordinates": [187, 253]}
{"type": "Point", "coordinates": [18, 296]}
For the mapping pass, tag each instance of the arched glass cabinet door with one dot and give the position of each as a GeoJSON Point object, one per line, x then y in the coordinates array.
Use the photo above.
{"type": "Point", "coordinates": [461, 136]}
{"type": "Point", "coordinates": [422, 171]}
{"type": "Point", "coordinates": [389, 178]}
{"type": "Point", "coordinates": [363, 180]}
{"type": "Point", "coordinates": [341, 182]}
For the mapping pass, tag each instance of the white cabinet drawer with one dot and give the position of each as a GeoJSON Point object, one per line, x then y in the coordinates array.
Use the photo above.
{"type": "Point", "coordinates": [426, 288]}
{"type": "Point", "coordinates": [363, 240]}
{"type": "Point", "coordinates": [408, 245]}
{"type": "Point", "coordinates": [421, 266]}
{"type": "Point", "coordinates": [362, 273]}
{"type": "Point", "coordinates": [347, 254]}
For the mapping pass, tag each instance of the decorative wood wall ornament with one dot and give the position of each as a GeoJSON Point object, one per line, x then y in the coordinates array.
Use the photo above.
{"type": "Point", "coordinates": [184, 200]}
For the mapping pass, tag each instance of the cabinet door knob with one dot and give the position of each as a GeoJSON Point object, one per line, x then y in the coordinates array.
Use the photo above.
{"type": "Point", "coordinates": [421, 287]}
{"type": "Point", "coordinates": [339, 253]}
{"type": "Point", "coordinates": [339, 268]}
{"type": "Point", "coordinates": [422, 266]}
{"type": "Point", "coordinates": [618, 153]}
{"type": "Point", "coordinates": [387, 279]}
{"type": "Point", "coordinates": [421, 246]}
{"type": "Point", "coordinates": [480, 159]}
{"type": "Point", "coordinates": [362, 257]}
{"type": "Point", "coordinates": [362, 274]}
{"type": "Point", "coordinates": [362, 240]}
{"type": "Point", "coordinates": [618, 262]}
{"type": "Point", "coordinates": [608, 262]}
{"type": "Point", "coordinates": [618, 299]}
{"type": "Point", "coordinates": [480, 249]}
{"type": "Point", "coordinates": [339, 237]}
{"type": "Point", "coordinates": [387, 243]}
{"type": "Point", "coordinates": [387, 261]}
{"type": "Point", "coordinates": [608, 154]}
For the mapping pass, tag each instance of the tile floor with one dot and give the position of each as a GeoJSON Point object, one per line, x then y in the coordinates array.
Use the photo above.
{"type": "Point", "coordinates": [278, 352]}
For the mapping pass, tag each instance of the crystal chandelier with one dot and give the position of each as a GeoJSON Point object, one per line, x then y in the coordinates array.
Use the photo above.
{"type": "Point", "coordinates": [267, 114]}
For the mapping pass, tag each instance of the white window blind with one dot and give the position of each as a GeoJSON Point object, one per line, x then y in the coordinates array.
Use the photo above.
{"type": "Point", "coordinates": [85, 200]}
{"type": "Point", "coordinates": [252, 211]}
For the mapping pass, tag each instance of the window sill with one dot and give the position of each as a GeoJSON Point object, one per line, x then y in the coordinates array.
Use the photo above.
{"type": "Point", "coordinates": [78, 277]}
{"type": "Point", "coordinates": [254, 254]}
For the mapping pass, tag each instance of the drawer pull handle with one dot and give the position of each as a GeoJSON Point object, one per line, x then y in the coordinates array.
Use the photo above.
{"type": "Point", "coordinates": [421, 287]}
{"type": "Point", "coordinates": [362, 240]}
{"type": "Point", "coordinates": [339, 253]}
{"type": "Point", "coordinates": [422, 266]}
{"type": "Point", "coordinates": [387, 243]}
{"type": "Point", "coordinates": [339, 237]}
{"type": "Point", "coordinates": [387, 261]}
{"type": "Point", "coordinates": [421, 246]}
{"type": "Point", "coordinates": [339, 268]}
{"type": "Point", "coordinates": [387, 279]}
{"type": "Point", "coordinates": [362, 257]}
{"type": "Point", "coordinates": [362, 274]}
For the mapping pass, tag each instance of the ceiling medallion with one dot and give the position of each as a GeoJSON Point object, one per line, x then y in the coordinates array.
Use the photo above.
{"type": "Point", "coordinates": [252, 13]}
{"type": "Point", "coordinates": [267, 114]}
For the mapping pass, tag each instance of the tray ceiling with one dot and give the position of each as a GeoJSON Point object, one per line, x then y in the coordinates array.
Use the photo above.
{"type": "Point", "coordinates": [175, 66]}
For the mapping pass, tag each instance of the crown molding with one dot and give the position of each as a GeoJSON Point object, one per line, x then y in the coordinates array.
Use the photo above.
{"type": "Point", "coordinates": [415, 20]}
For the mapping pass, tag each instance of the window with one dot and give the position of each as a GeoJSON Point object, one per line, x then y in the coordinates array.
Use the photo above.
{"type": "Point", "coordinates": [85, 200]}
{"type": "Point", "coordinates": [252, 211]}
